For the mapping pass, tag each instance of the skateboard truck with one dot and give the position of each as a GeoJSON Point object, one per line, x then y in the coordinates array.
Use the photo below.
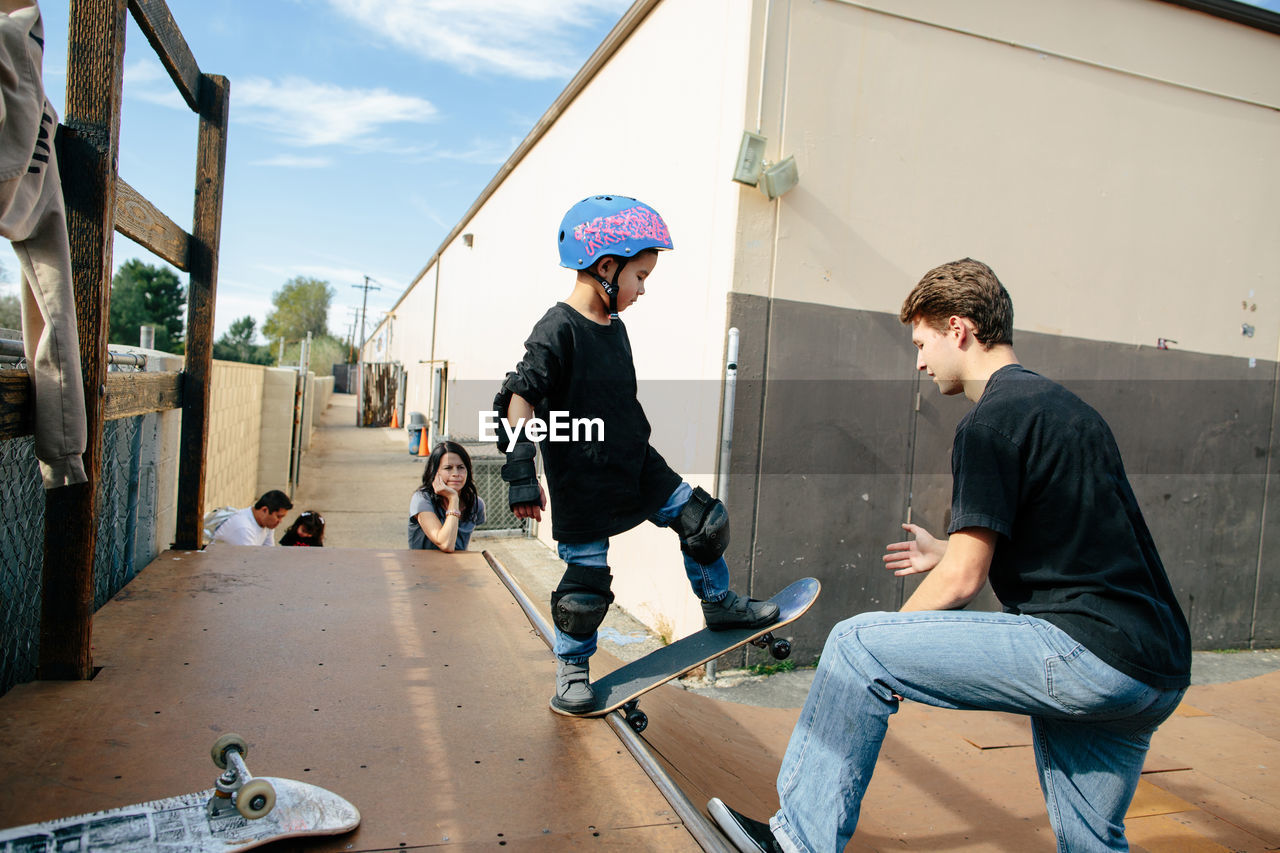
{"type": "Point", "coordinates": [780, 647]}
{"type": "Point", "coordinates": [236, 790]}
{"type": "Point", "coordinates": [637, 719]}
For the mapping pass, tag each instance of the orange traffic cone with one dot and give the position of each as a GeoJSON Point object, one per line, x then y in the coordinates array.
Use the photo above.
{"type": "Point", "coordinates": [422, 443]}
{"type": "Point", "coordinates": [395, 420]}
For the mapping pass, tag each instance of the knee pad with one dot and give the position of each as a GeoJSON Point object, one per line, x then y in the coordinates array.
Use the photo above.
{"type": "Point", "coordinates": [703, 526]}
{"type": "Point", "coordinates": [580, 602]}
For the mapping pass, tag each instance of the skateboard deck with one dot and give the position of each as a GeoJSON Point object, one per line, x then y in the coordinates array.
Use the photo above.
{"type": "Point", "coordinates": [623, 687]}
{"type": "Point", "coordinates": [188, 823]}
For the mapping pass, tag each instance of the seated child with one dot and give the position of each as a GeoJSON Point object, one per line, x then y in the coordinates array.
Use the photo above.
{"type": "Point", "coordinates": [306, 530]}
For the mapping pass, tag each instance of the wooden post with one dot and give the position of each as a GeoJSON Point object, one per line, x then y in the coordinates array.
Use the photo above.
{"type": "Point", "coordinates": [206, 233]}
{"type": "Point", "coordinates": [87, 148]}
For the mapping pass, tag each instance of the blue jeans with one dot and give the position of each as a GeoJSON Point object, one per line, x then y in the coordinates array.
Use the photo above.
{"type": "Point", "coordinates": [709, 582]}
{"type": "Point", "coordinates": [1091, 723]}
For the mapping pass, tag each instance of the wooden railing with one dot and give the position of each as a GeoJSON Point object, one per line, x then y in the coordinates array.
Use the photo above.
{"type": "Point", "coordinates": [98, 204]}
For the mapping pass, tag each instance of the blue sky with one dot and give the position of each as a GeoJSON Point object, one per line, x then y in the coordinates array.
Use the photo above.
{"type": "Point", "coordinates": [361, 130]}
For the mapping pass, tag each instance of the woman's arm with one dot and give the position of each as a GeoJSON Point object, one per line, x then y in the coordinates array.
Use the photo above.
{"type": "Point", "coordinates": [443, 534]}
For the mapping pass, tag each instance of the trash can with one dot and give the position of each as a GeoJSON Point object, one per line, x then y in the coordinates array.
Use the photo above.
{"type": "Point", "coordinates": [417, 425]}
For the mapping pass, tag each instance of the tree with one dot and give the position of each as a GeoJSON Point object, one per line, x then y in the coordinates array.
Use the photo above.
{"type": "Point", "coordinates": [237, 344]}
{"type": "Point", "coordinates": [326, 351]}
{"type": "Point", "coordinates": [146, 295]}
{"type": "Point", "coordinates": [10, 312]}
{"type": "Point", "coordinates": [302, 306]}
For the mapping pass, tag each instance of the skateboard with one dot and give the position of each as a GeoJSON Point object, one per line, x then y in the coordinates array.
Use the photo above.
{"type": "Point", "coordinates": [240, 812]}
{"type": "Point", "coordinates": [623, 687]}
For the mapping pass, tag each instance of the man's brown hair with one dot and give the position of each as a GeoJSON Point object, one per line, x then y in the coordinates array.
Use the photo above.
{"type": "Point", "coordinates": [964, 288]}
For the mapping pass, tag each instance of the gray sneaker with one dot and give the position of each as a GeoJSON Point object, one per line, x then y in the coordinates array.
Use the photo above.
{"type": "Point", "coordinates": [734, 611]}
{"type": "Point", "coordinates": [573, 688]}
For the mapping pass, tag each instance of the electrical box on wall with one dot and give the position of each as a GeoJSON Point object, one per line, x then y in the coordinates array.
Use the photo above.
{"type": "Point", "coordinates": [780, 177]}
{"type": "Point", "coordinates": [750, 159]}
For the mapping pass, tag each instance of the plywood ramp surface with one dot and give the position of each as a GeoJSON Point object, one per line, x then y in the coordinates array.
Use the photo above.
{"type": "Point", "coordinates": [408, 682]}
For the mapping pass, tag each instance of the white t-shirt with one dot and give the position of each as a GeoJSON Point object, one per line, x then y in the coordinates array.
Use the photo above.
{"type": "Point", "coordinates": [243, 529]}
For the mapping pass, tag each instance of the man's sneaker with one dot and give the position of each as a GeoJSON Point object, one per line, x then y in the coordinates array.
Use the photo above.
{"type": "Point", "coordinates": [734, 611]}
{"type": "Point", "coordinates": [749, 836]}
{"type": "Point", "coordinates": [573, 688]}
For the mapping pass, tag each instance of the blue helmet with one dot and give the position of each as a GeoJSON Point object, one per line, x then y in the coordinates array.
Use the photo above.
{"type": "Point", "coordinates": [609, 225]}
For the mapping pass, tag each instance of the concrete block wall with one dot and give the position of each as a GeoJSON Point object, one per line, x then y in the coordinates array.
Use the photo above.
{"type": "Point", "coordinates": [322, 387]}
{"type": "Point", "coordinates": [276, 430]}
{"type": "Point", "coordinates": [235, 421]}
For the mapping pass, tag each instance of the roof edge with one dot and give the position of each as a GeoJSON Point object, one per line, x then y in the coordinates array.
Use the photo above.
{"type": "Point", "coordinates": [1231, 10]}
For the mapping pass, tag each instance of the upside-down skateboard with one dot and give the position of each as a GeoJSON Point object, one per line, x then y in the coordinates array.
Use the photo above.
{"type": "Point", "coordinates": [623, 687]}
{"type": "Point", "coordinates": [240, 812]}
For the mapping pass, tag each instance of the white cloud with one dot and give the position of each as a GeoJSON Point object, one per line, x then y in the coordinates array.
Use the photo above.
{"type": "Point", "coordinates": [293, 161]}
{"type": "Point", "coordinates": [147, 80]}
{"type": "Point", "coordinates": [531, 39]}
{"type": "Point", "coordinates": [305, 113]}
{"type": "Point", "coordinates": [480, 152]}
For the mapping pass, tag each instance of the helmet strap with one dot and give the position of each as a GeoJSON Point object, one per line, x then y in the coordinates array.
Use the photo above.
{"type": "Point", "coordinates": [611, 287]}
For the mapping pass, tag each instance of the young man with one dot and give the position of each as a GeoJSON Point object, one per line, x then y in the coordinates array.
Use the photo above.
{"type": "Point", "coordinates": [254, 526]}
{"type": "Point", "coordinates": [1091, 645]}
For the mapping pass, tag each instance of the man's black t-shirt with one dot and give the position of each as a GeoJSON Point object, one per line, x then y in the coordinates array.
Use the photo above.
{"type": "Point", "coordinates": [1037, 465]}
{"type": "Point", "coordinates": [578, 367]}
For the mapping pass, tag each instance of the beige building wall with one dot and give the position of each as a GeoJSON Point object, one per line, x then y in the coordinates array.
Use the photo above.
{"type": "Point", "coordinates": [1113, 160]}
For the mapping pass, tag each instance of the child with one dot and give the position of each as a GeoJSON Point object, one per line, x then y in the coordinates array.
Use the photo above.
{"type": "Point", "coordinates": [445, 509]}
{"type": "Point", "coordinates": [578, 360]}
{"type": "Point", "coordinates": [306, 530]}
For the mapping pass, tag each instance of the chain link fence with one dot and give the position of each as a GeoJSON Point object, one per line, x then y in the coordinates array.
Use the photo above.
{"type": "Point", "coordinates": [21, 554]}
{"type": "Point", "coordinates": [22, 522]}
{"type": "Point", "coordinates": [486, 470]}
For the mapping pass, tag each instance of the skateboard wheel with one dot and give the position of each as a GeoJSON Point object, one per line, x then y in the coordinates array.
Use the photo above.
{"type": "Point", "coordinates": [256, 799]}
{"type": "Point", "coordinates": [222, 744]}
{"type": "Point", "coordinates": [781, 649]}
{"type": "Point", "coordinates": [638, 720]}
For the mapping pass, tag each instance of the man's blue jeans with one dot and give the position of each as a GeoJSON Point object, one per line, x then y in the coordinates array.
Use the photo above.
{"type": "Point", "coordinates": [1091, 723]}
{"type": "Point", "coordinates": [709, 582]}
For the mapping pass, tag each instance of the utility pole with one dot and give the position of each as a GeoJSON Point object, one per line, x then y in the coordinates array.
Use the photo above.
{"type": "Point", "coordinates": [353, 315]}
{"type": "Point", "coordinates": [366, 287]}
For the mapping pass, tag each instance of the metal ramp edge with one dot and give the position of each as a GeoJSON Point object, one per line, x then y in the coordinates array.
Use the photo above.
{"type": "Point", "coordinates": [703, 832]}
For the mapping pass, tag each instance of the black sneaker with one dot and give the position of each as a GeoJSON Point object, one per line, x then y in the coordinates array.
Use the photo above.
{"type": "Point", "coordinates": [749, 836]}
{"type": "Point", "coordinates": [735, 611]}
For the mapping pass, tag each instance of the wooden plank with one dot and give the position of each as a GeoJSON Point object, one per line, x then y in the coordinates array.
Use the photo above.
{"type": "Point", "coordinates": [17, 414]}
{"type": "Point", "coordinates": [130, 394]}
{"type": "Point", "coordinates": [87, 151]}
{"type": "Point", "coordinates": [206, 234]}
{"type": "Point", "coordinates": [157, 24]}
{"type": "Point", "coordinates": [142, 222]}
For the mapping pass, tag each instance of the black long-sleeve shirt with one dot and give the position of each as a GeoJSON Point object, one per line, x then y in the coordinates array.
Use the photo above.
{"type": "Point", "coordinates": [577, 367]}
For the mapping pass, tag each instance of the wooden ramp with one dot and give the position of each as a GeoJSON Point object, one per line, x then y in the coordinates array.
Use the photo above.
{"type": "Point", "coordinates": [413, 684]}
{"type": "Point", "coordinates": [408, 682]}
